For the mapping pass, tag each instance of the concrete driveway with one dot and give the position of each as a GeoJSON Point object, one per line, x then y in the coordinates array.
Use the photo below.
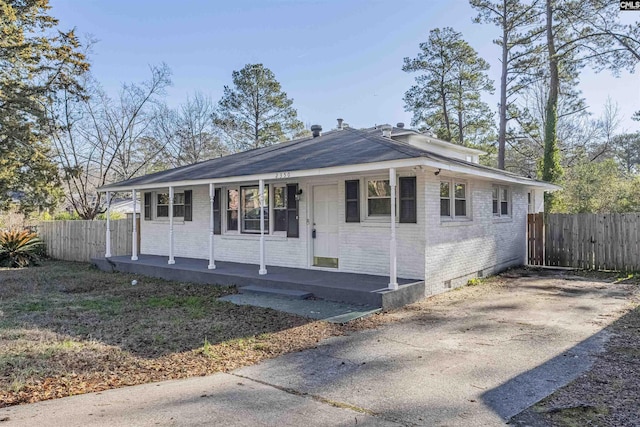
{"type": "Point", "coordinates": [475, 356]}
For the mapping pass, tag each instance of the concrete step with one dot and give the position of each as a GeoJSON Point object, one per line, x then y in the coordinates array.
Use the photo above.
{"type": "Point", "coordinates": [286, 293]}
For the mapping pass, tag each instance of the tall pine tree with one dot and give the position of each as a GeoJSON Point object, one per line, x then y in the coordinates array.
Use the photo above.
{"type": "Point", "coordinates": [36, 61]}
{"type": "Point", "coordinates": [447, 95]}
{"type": "Point", "coordinates": [256, 112]}
{"type": "Point", "coordinates": [519, 29]}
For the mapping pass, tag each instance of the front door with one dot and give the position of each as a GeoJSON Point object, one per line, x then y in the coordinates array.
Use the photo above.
{"type": "Point", "coordinates": [325, 226]}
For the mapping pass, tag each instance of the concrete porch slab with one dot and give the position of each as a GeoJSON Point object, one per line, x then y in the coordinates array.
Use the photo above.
{"type": "Point", "coordinates": [329, 311]}
{"type": "Point", "coordinates": [363, 289]}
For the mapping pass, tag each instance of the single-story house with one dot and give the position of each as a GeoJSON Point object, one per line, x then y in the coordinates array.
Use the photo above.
{"type": "Point", "coordinates": [386, 201]}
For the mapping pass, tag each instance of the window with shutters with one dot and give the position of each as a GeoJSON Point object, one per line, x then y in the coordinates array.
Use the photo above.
{"type": "Point", "coordinates": [182, 205]}
{"type": "Point", "coordinates": [162, 205]}
{"type": "Point", "coordinates": [378, 197]}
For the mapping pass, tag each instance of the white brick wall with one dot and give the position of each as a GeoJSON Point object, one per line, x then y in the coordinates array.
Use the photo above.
{"type": "Point", "coordinates": [364, 247]}
{"type": "Point", "coordinates": [191, 239]}
{"type": "Point", "coordinates": [457, 251]}
{"type": "Point", "coordinates": [438, 250]}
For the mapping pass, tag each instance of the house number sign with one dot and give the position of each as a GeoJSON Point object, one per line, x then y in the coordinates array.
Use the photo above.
{"type": "Point", "coordinates": [283, 175]}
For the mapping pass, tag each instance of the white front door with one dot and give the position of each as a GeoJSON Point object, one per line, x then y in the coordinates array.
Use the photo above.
{"type": "Point", "coordinates": [325, 226]}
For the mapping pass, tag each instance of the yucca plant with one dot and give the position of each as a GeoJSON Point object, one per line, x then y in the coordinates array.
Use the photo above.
{"type": "Point", "coordinates": [19, 248]}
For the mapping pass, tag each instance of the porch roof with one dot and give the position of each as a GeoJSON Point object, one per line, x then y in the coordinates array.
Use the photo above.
{"type": "Point", "coordinates": [337, 151]}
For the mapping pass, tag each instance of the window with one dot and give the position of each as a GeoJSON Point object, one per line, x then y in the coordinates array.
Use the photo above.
{"type": "Point", "coordinates": [250, 209]}
{"type": "Point", "coordinates": [162, 205]}
{"type": "Point", "coordinates": [408, 199]}
{"type": "Point", "coordinates": [352, 200]}
{"type": "Point", "coordinates": [279, 209]}
{"type": "Point", "coordinates": [181, 205]}
{"type": "Point", "coordinates": [232, 210]}
{"type": "Point", "coordinates": [453, 199]}
{"type": "Point", "coordinates": [178, 205]}
{"type": "Point", "coordinates": [378, 197]}
{"type": "Point", "coordinates": [445, 199]}
{"type": "Point", "coordinates": [460, 199]}
{"type": "Point", "coordinates": [500, 200]}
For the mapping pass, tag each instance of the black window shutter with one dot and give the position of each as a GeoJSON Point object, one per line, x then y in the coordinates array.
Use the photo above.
{"type": "Point", "coordinates": [217, 219]}
{"type": "Point", "coordinates": [408, 199]}
{"type": "Point", "coordinates": [352, 200]}
{"type": "Point", "coordinates": [187, 205]}
{"type": "Point", "coordinates": [293, 222]}
{"type": "Point", "coordinates": [147, 206]}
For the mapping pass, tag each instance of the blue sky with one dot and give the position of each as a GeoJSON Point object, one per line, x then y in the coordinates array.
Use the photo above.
{"type": "Point", "coordinates": [334, 58]}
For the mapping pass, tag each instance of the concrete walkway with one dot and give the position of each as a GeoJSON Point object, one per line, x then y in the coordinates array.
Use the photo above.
{"type": "Point", "coordinates": [473, 357]}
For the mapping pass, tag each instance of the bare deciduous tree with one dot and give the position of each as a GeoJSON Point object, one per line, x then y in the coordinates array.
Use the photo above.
{"type": "Point", "coordinates": [100, 140]}
{"type": "Point", "coordinates": [187, 134]}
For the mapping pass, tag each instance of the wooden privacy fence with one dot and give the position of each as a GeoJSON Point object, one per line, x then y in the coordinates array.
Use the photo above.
{"type": "Point", "coordinates": [593, 241]}
{"type": "Point", "coordinates": [83, 240]}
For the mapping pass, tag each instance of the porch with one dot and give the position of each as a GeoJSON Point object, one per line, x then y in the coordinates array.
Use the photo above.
{"type": "Point", "coordinates": [364, 289]}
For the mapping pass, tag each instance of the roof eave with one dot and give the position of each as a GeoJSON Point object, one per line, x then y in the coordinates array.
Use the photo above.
{"type": "Point", "coordinates": [362, 167]}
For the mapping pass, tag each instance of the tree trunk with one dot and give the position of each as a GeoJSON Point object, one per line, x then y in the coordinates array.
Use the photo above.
{"type": "Point", "coordinates": [502, 127]}
{"type": "Point", "coordinates": [460, 108]}
{"type": "Point", "coordinates": [445, 112]}
{"type": "Point", "coordinates": [551, 170]}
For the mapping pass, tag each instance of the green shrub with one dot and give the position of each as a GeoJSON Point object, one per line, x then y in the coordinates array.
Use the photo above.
{"type": "Point", "coordinates": [66, 216]}
{"type": "Point", "coordinates": [114, 215]}
{"type": "Point", "coordinates": [475, 281]}
{"type": "Point", "coordinates": [19, 248]}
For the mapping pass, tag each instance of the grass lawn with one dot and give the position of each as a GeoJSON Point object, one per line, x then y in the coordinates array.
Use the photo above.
{"type": "Point", "coordinates": [67, 328]}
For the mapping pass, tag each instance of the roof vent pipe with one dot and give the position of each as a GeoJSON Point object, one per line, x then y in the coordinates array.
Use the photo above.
{"type": "Point", "coordinates": [315, 130]}
{"type": "Point", "coordinates": [386, 131]}
{"type": "Point", "coordinates": [400, 125]}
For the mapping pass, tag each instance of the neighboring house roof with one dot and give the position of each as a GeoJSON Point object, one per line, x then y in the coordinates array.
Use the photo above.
{"type": "Point", "coordinates": [122, 205]}
{"type": "Point", "coordinates": [332, 149]}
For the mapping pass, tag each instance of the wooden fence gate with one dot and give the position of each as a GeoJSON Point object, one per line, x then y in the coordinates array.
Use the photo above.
{"type": "Point", "coordinates": [535, 239]}
{"type": "Point", "coordinates": [588, 241]}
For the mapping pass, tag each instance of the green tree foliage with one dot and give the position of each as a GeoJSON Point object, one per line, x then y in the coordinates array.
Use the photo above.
{"type": "Point", "coordinates": [626, 148]}
{"type": "Point", "coordinates": [36, 61]}
{"type": "Point", "coordinates": [580, 33]}
{"type": "Point", "coordinates": [256, 112]}
{"type": "Point", "coordinates": [597, 187]}
{"type": "Point", "coordinates": [519, 29]}
{"type": "Point", "coordinates": [447, 95]}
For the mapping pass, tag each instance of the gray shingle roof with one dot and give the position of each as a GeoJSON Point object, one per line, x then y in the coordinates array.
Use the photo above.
{"type": "Point", "coordinates": [334, 148]}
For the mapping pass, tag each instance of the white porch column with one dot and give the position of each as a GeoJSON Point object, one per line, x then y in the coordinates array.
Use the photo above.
{"type": "Point", "coordinates": [171, 259]}
{"type": "Point", "coordinates": [134, 243]}
{"type": "Point", "coordinates": [263, 267]}
{"type": "Point", "coordinates": [107, 253]}
{"type": "Point", "coordinates": [393, 256]}
{"type": "Point", "coordinates": [212, 196]}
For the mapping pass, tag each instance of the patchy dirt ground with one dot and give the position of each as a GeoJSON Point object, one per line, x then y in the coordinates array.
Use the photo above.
{"type": "Point", "coordinates": [609, 393]}
{"type": "Point", "coordinates": [66, 328]}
